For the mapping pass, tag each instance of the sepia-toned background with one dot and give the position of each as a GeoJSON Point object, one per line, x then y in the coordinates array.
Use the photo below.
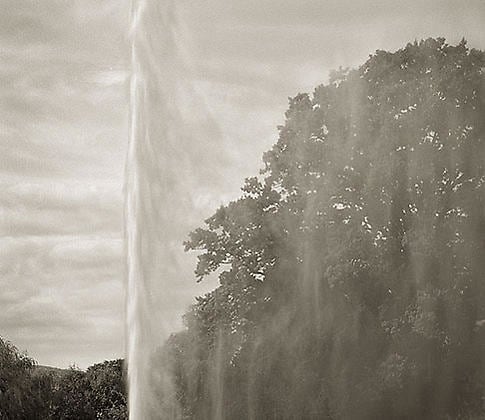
{"type": "Point", "coordinates": [64, 74]}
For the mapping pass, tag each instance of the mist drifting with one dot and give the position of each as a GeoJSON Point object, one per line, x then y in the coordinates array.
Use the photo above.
{"type": "Point", "coordinates": [351, 267]}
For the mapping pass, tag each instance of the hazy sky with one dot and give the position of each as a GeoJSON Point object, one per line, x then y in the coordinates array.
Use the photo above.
{"type": "Point", "coordinates": [63, 102]}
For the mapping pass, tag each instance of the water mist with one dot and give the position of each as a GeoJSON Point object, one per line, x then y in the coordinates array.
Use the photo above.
{"type": "Point", "coordinates": [351, 269]}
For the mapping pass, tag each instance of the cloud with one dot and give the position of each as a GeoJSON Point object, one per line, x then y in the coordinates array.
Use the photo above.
{"type": "Point", "coordinates": [63, 100]}
{"type": "Point", "coordinates": [79, 252]}
{"type": "Point", "coordinates": [61, 262]}
{"type": "Point", "coordinates": [58, 335]}
{"type": "Point", "coordinates": [58, 263]}
{"type": "Point", "coordinates": [63, 79]}
{"type": "Point", "coordinates": [282, 37]}
{"type": "Point", "coordinates": [54, 208]}
{"type": "Point", "coordinates": [66, 291]}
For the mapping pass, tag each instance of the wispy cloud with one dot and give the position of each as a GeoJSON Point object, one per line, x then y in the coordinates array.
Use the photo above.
{"type": "Point", "coordinates": [63, 135]}
{"type": "Point", "coordinates": [63, 132]}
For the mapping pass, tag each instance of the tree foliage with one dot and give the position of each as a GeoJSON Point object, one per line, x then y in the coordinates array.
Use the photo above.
{"type": "Point", "coordinates": [351, 268]}
{"type": "Point", "coordinates": [20, 393]}
{"type": "Point", "coordinates": [30, 392]}
{"type": "Point", "coordinates": [98, 393]}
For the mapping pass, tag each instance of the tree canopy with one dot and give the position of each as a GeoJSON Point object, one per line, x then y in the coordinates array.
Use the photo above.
{"type": "Point", "coordinates": [30, 392]}
{"type": "Point", "coordinates": [351, 267]}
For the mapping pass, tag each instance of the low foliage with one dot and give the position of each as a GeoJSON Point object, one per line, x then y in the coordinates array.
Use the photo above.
{"type": "Point", "coordinates": [28, 391]}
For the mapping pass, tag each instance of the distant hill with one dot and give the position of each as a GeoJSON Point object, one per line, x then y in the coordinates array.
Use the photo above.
{"type": "Point", "coordinates": [42, 369]}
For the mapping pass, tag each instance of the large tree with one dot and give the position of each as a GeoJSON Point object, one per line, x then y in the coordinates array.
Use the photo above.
{"type": "Point", "coordinates": [22, 393]}
{"type": "Point", "coordinates": [351, 268]}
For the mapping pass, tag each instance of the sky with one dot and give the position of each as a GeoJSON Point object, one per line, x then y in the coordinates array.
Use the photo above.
{"type": "Point", "coordinates": [64, 92]}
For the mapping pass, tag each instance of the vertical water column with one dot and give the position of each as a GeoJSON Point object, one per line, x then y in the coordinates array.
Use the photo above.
{"type": "Point", "coordinates": [151, 201]}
